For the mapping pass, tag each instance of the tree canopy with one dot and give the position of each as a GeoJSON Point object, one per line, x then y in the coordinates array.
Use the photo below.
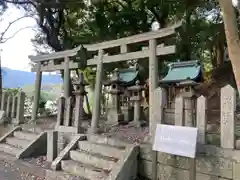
{"type": "Point", "coordinates": [66, 24]}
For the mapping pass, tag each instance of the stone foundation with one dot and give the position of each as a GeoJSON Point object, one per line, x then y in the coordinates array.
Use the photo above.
{"type": "Point", "coordinates": [212, 163]}
{"type": "Point", "coordinates": [57, 141]}
{"type": "Point", "coordinates": [63, 139]}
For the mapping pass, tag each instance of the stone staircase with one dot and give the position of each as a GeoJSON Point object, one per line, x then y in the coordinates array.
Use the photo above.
{"type": "Point", "coordinates": [20, 142]}
{"type": "Point", "coordinates": [99, 158]}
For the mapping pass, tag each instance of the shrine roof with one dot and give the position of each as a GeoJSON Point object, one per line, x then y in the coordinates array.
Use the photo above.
{"type": "Point", "coordinates": [181, 71]}
{"type": "Point", "coordinates": [126, 76]}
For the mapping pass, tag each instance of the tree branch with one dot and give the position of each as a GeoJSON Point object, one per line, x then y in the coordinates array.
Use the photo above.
{"type": "Point", "coordinates": [3, 40]}
{"type": "Point", "coordinates": [2, 34]}
{"type": "Point", "coordinates": [54, 3]}
{"type": "Point", "coordinates": [10, 24]}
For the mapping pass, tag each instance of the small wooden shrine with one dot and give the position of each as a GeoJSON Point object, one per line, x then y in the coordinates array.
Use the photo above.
{"type": "Point", "coordinates": [121, 109]}
{"type": "Point", "coordinates": [182, 78]}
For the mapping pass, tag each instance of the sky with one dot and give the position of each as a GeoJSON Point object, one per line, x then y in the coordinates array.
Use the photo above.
{"type": "Point", "coordinates": [15, 51]}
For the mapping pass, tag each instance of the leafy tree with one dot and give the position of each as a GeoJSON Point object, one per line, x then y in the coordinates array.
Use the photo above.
{"type": "Point", "coordinates": [66, 24]}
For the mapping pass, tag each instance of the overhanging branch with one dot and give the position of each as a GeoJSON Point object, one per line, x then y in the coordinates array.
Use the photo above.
{"type": "Point", "coordinates": [3, 40]}
{"type": "Point", "coordinates": [2, 34]}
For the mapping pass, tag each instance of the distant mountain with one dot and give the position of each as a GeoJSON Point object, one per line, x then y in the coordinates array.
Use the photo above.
{"type": "Point", "coordinates": [16, 78]}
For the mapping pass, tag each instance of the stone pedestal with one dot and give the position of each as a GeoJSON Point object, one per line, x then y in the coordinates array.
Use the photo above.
{"type": "Point", "coordinates": [56, 142]}
{"type": "Point", "coordinates": [114, 115]}
{"type": "Point", "coordinates": [80, 93]}
{"type": "Point", "coordinates": [52, 146]}
{"type": "Point", "coordinates": [127, 112]}
{"type": "Point", "coordinates": [136, 98]}
{"type": "Point", "coordinates": [188, 111]}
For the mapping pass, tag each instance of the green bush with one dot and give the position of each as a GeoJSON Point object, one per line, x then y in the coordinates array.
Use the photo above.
{"type": "Point", "coordinates": [12, 91]}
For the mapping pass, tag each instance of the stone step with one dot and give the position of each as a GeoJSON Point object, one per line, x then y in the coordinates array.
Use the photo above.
{"type": "Point", "coordinates": [31, 128]}
{"type": "Point", "coordinates": [19, 143]}
{"type": "Point", "coordinates": [92, 159]}
{"type": "Point", "coordinates": [61, 175]}
{"type": "Point", "coordinates": [25, 135]}
{"type": "Point", "coordinates": [107, 141]}
{"type": "Point", "coordinates": [102, 149]}
{"type": "Point", "coordinates": [9, 149]}
{"type": "Point", "coordinates": [83, 170]}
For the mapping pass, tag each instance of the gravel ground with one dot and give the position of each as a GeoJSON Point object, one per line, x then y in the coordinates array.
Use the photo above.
{"type": "Point", "coordinates": [129, 133]}
{"type": "Point", "coordinates": [11, 169]}
{"type": "Point", "coordinates": [29, 169]}
{"type": "Point", "coordinates": [39, 162]}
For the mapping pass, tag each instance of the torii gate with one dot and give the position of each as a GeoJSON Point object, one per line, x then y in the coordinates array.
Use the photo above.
{"type": "Point", "coordinates": [85, 54]}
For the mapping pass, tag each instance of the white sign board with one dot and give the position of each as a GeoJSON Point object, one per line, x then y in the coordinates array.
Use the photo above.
{"type": "Point", "coordinates": [176, 140]}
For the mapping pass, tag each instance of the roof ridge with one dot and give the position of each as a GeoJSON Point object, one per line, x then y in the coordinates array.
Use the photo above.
{"type": "Point", "coordinates": [184, 64]}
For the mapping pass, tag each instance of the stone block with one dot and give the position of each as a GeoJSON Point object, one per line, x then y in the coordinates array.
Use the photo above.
{"type": "Point", "coordinates": [2, 116]}
{"type": "Point", "coordinates": [114, 117]}
{"type": "Point", "coordinates": [9, 149]}
{"type": "Point", "coordinates": [107, 140]}
{"type": "Point", "coordinates": [125, 169]}
{"type": "Point", "coordinates": [25, 135]}
{"type": "Point", "coordinates": [74, 168]}
{"type": "Point", "coordinates": [171, 173]}
{"type": "Point", "coordinates": [200, 176]}
{"type": "Point", "coordinates": [36, 147]}
{"type": "Point", "coordinates": [169, 116]}
{"type": "Point", "coordinates": [228, 118]}
{"type": "Point", "coordinates": [9, 134]}
{"type": "Point", "coordinates": [52, 138]}
{"type": "Point", "coordinates": [103, 149]}
{"type": "Point", "coordinates": [145, 168]}
{"type": "Point", "coordinates": [145, 152]}
{"type": "Point", "coordinates": [179, 118]}
{"type": "Point", "coordinates": [175, 161]}
{"type": "Point", "coordinates": [165, 172]}
{"type": "Point", "coordinates": [87, 158]}
{"type": "Point", "coordinates": [213, 139]}
{"type": "Point", "coordinates": [216, 166]}
{"type": "Point", "coordinates": [56, 164]}
{"type": "Point", "coordinates": [127, 113]}
{"type": "Point", "coordinates": [20, 143]}
{"type": "Point", "coordinates": [236, 172]}
{"type": "Point", "coordinates": [212, 160]}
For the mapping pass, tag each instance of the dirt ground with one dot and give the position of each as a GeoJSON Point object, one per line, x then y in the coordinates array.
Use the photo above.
{"type": "Point", "coordinates": [127, 133]}
{"type": "Point", "coordinates": [12, 169]}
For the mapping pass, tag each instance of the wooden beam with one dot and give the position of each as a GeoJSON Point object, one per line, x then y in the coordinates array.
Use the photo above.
{"type": "Point", "coordinates": [165, 50]}
{"type": "Point", "coordinates": [135, 38]}
{"type": "Point", "coordinates": [55, 55]}
{"type": "Point", "coordinates": [72, 65]}
{"type": "Point", "coordinates": [109, 44]}
{"type": "Point", "coordinates": [135, 55]}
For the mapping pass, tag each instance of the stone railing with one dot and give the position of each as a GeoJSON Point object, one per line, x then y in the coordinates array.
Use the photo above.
{"type": "Point", "coordinates": [13, 107]}
{"type": "Point", "coordinates": [70, 114]}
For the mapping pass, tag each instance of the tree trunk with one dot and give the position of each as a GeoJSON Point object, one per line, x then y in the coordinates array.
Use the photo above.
{"type": "Point", "coordinates": [232, 36]}
{"type": "Point", "coordinates": [1, 75]}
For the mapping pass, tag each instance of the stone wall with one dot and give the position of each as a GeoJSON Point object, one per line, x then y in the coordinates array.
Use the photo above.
{"type": "Point", "coordinates": [212, 163]}
{"type": "Point", "coordinates": [218, 150]}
